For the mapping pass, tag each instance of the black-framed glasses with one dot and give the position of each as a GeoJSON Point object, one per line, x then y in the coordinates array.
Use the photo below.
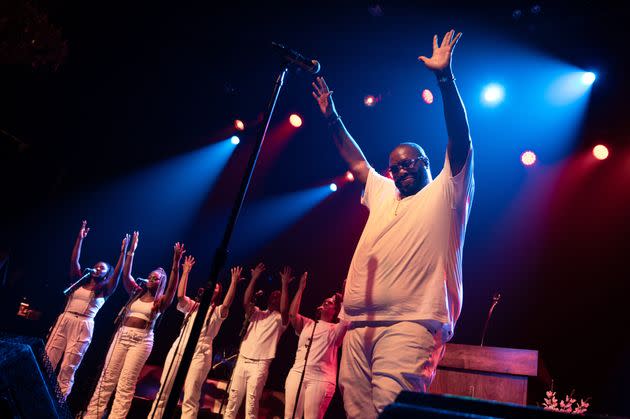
{"type": "Point", "coordinates": [405, 164]}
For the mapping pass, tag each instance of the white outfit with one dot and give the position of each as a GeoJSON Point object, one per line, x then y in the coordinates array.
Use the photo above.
{"type": "Point", "coordinates": [407, 267]}
{"type": "Point", "coordinates": [126, 356]}
{"type": "Point", "coordinates": [200, 364]}
{"type": "Point", "coordinates": [320, 378]}
{"type": "Point", "coordinates": [257, 351]}
{"type": "Point", "coordinates": [72, 334]}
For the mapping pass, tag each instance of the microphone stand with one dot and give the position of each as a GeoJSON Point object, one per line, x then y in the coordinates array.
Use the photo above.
{"type": "Point", "coordinates": [495, 300]}
{"type": "Point", "coordinates": [241, 335]}
{"type": "Point", "coordinates": [222, 251]}
{"type": "Point", "coordinates": [76, 284]}
{"type": "Point", "coordinates": [308, 350]}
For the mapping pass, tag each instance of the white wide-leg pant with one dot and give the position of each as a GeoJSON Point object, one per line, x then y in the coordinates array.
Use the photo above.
{"type": "Point", "coordinates": [197, 373]}
{"type": "Point", "coordinates": [126, 357]}
{"type": "Point", "coordinates": [249, 378]}
{"type": "Point", "coordinates": [315, 397]}
{"type": "Point", "coordinates": [70, 339]}
{"type": "Point", "coordinates": [381, 360]}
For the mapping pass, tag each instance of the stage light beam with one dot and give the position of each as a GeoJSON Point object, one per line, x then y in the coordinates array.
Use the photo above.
{"type": "Point", "coordinates": [588, 78]}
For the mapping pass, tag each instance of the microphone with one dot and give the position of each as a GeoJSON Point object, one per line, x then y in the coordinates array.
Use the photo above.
{"type": "Point", "coordinates": [89, 270]}
{"type": "Point", "coordinates": [142, 281]}
{"type": "Point", "coordinates": [293, 57]}
{"type": "Point", "coordinates": [258, 294]}
{"type": "Point", "coordinates": [495, 300]}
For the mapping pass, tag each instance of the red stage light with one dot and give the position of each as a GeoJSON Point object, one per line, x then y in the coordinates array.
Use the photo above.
{"type": "Point", "coordinates": [349, 176]}
{"type": "Point", "coordinates": [427, 96]}
{"type": "Point", "coordinates": [239, 125]}
{"type": "Point", "coordinates": [600, 152]}
{"type": "Point", "coordinates": [528, 158]}
{"type": "Point", "coordinates": [369, 100]}
{"type": "Point", "coordinates": [295, 120]}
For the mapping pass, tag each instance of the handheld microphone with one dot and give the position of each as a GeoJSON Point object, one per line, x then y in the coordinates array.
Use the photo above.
{"type": "Point", "coordinates": [142, 281]}
{"type": "Point", "coordinates": [293, 57]}
{"type": "Point", "coordinates": [89, 270]}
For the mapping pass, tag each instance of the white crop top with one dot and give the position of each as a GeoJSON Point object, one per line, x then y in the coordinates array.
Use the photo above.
{"type": "Point", "coordinates": [82, 301]}
{"type": "Point", "coordinates": [141, 309]}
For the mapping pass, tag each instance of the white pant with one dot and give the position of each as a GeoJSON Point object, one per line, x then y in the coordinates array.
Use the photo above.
{"type": "Point", "coordinates": [315, 396]}
{"type": "Point", "coordinates": [249, 376]}
{"type": "Point", "coordinates": [126, 357]}
{"type": "Point", "coordinates": [197, 373]}
{"type": "Point", "coordinates": [381, 360]}
{"type": "Point", "coordinates": [70, 339]}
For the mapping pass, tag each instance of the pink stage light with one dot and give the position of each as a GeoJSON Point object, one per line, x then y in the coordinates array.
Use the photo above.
{"type": "Point", "coordinates": [239, 125]}
{"type": "Point", "coordinates": [600, 152]}
{"type": "Point", "coordinates": [369, 100]}
{"type": "Point", "coordinates": [349, 176]}
{"type": "Point", "coordinates": [528, 158]}
{"type": "Point", "coordinates": [295, 120]}
{"type": "Point", "coordinates": [427, 96]}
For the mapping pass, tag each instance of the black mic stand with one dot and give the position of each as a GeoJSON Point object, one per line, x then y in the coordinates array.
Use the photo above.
{"type": "Point", "coordinates": [241, 335]}
{"type": "Point", "coordinates": [221, 253]}
{"type": "Point", "coordinates": [170, 366]}
{"type": "Point", "coordinates": [308, 350]}
{"type": "Point", "coordinates": [495, 300]}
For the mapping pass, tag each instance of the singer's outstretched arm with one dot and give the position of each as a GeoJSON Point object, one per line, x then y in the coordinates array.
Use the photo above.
{"type": "Point", "coordinates": [75, 266]}
{"type": "Point", "coordinates": [348, 148]}
{"type": "Point", "coordinates": [173, 280]}
{"type": "Point", "coordinates": [459, 142]}
{"type": "Point", "coordinates": [235, 276]}
{"type": "Point", "coordinates": [111, 285]}
{"type": "Point", "coordinates": [285, 278]}
{"type": "Point", "coordinates": [189, 261]}
{"type": "Point", "coordinates": [128, 283]}
{"type": "Point", "coordinates": [249, 292]}
{"type": "Point", "coordinates": [297, 321]}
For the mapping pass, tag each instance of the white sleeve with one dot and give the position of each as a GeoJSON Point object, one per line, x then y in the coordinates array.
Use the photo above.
{"type": "Point", "coordinates": [185, 304]}
{"type": "Point", "coordinates": [377, 188]}
{"type": "Point", "coordinates": [460, 188]}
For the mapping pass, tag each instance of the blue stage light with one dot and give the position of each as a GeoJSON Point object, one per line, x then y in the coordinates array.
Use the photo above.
{"type": "Point", "coordinates": [493, 94]}
{"type": "Point", "coordinates": [333, 187]}
{"type": "Point", "coordinates": [588, 78]}
{"type": "Point", "coordinates": [235, 140]}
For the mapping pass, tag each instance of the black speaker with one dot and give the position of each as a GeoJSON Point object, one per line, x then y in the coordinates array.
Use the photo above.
{"type": "Point", "coordinates": [433, 406]}
{"type": "Point", "coordinates": [28, 387]}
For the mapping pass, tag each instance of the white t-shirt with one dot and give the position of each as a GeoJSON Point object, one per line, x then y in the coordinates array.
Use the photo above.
{"type": "Point", "coordinates": [263, 334]}
{"type": "Point", "coordinates": [211, 326]}
{"type": "Point", "coordinates": [408, 262]}
{"type": "Point", "coordinates": [322, 358]}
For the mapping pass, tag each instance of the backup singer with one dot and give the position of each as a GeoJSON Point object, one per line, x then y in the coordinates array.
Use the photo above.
{"type": "Point", "coordinates": [404, 289]}
{"type": "Point", "coordinates": [324, 336]}
{"type": "Point", "coordinates": [72, 333]}
{"type": "Point", "coordinates": [202, 358]}
{"type": "Point", "coordinates": [133, 342]}
{"type": "Point", "coordinates": [258, 348]}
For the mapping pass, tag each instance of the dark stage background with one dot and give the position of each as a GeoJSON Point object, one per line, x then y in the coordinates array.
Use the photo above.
{"type": "Point", "coordinates": [100, 115]}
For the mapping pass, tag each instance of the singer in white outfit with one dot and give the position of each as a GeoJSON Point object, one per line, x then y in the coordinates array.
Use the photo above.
{"type": "Point", "coordinates": [133, 342]}
{"type": "Point", "coordinates": [404, 291]}
{"type": "Point", "coordinates": [71, 335]}
{"type": "Point", "coordinates": [202, 358]}
{"type": "Point", "coordinates": [258, 347]}
{"type": "Point", "coordinates": [324, 336]}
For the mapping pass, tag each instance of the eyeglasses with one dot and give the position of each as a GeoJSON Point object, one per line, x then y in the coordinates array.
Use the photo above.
{"type": "Point", "coordinates": [406, 164]}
